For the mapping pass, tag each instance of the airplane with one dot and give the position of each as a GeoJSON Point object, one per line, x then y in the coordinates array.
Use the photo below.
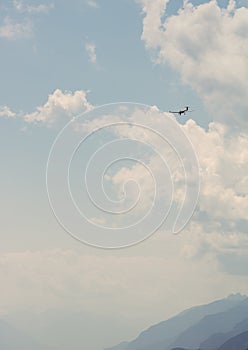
{"type": "Point", "coordinates": [182, 111]}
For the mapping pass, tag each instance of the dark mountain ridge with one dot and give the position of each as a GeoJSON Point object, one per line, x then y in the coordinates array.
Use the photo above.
{"type": "Point", "coordinates": [172, 332]}
{"type": "Point", "coordinates": [217, 339]}
{"type": "Point", "coordinates": [239, 342]}
{"type": "Point", "coordinates": [211, 324]}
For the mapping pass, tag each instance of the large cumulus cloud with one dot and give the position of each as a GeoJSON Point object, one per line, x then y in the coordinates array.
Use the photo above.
{"type": "Point", "coordinates": [208, 46]}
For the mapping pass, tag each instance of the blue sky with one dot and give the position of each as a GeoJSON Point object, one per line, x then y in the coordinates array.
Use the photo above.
{"type": "Point", "coordinates": [61, 59]}
{"type": "Point", "coordinates": [54, 56]}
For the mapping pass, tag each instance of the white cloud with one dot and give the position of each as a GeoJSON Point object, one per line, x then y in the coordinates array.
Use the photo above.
{"type": "Point", "coordinates": [218, 242]}
{"type": "Point", "coordinates": [224, 167]}
{"type": "Point", "coordinates": [32, 9]}
{"type": "Point", "coordinates": [223, 158]}
{"type": "Point", "coordinates": [92, 3]}
{"type": "Point", "coordinates": [148, 178]}
{"type": "Point", "coordinates": [13, 30]}
{"type": "Point", "coordinates": [60, 106]}
{"type": "Point", "coordinates": [56, 279]}
{"type": "Point", "coordinates": [228, 248]}
{"type": "Point", "coordinates": [153, 11]}
{"type": "Point", "coordinates": [39, 8]}
{"type": "Point", "coordinates": [5, 111]}
{"type": "Point", "coordinates": [91, 50]}
{"type": "Point", "coordinates": [222, 154]}
{"type": "Point", "coordinates": [208, 46]}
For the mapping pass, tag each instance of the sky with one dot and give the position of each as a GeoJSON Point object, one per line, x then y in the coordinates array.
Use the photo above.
{"type": "Point", "coordinates": [70, 68]}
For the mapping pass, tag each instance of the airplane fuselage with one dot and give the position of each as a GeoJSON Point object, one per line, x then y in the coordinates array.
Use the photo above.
{"type": "Point", "coordinates": [183, 111]}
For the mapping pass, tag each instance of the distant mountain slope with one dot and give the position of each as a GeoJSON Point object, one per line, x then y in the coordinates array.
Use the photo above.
{"type": "Point", "coordinates": [211, 324]}
{"type": "Point", "coordinates": [13, 339]}
{"type": "Point", "coordinates": [161, 335]}
{"type": "Point", "coordinates": [217, 339]}
{"type": "Point", "coordinates": [183, 349]}
{"type": "Point", "coordinates": [121, 346]}
{"type": "Point", "coordinates": [180, 349]}
{"type": "Point", "coordinates": [239, 342]}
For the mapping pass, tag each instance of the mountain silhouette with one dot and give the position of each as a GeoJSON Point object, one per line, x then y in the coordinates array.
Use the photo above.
{"type": "Point", "coordinates": [191, 327]}
{"type": "Point", "coordinates": [239, 342]}
{"type": "Point", "coordinates": [210, 324]}
{"type": "Point", "coordinates": [217, 339]}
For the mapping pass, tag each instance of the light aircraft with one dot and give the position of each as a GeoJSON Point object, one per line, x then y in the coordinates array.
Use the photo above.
{"type": "Point", "coordinates": [182, 111]}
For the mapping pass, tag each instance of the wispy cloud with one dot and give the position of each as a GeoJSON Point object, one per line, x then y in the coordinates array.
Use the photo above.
{"type": "Point", "coordinates": [91, 50]}
{"type": "Point", "coordinates": [32, 9]}
{"type": "Point", "coordinates": [92, 3]}
{"type": "Point", "coordinates": [5, 111]}
{"type": "Point", "coordinates": [13, 30]}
